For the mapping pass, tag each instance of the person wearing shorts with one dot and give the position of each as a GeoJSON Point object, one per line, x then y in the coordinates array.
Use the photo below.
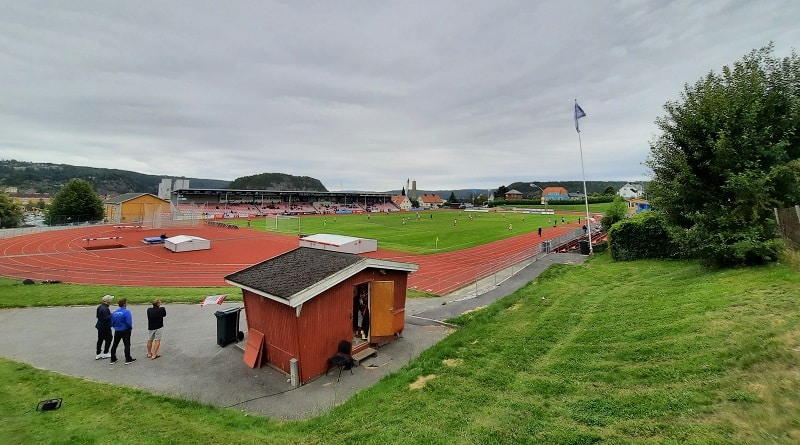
{"type": "Point", "coordinates": [155, 328]}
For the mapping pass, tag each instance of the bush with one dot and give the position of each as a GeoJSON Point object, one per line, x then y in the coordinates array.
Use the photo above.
{"type": "Point", "coordinates": [641, 236]}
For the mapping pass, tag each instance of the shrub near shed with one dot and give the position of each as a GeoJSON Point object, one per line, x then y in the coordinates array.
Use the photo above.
{"type": "Point", "coordinates": [641, 236]}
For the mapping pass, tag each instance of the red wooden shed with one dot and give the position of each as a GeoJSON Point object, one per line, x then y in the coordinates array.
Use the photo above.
{"type": "Point", "coordinates": [307, 300]}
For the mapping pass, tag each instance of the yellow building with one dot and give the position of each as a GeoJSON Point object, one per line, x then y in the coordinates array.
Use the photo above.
{"type": "Point", "coordinates": [137, 208]}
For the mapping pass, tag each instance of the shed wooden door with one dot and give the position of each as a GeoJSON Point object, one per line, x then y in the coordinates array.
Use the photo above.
{"type": "Point", "coordinates": [381, 298]}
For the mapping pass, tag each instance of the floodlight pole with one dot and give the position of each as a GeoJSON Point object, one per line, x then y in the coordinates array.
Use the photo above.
{"type": "Point", "coordinates": [544, 200]}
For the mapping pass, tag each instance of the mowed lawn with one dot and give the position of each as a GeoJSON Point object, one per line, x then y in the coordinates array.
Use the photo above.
{"type": "Point", "coordinates": [646, 352]}
{"type": "Point", "coordinates": [418, 232]}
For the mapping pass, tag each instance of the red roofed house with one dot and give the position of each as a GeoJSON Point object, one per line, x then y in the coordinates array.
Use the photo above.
{"type": "Point", "coordinates": [555, 194]}
{"type": "Point", "coordinates": [402, 202]}
{"type": "Point", "coordinates": [430, 201]}
{"type": "Point", "coordinates": [512, 195]}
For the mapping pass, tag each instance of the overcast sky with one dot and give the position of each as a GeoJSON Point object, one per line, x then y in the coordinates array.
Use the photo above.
{"type": "Point", "coordinates": [363, 95]}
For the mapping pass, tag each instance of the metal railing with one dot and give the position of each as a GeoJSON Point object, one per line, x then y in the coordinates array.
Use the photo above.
{"type": "Point", "coordinates": [496, 273]}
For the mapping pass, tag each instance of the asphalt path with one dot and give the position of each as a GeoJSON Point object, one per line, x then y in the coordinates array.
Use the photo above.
{"type": "Point", "coordinates": [192, 366]}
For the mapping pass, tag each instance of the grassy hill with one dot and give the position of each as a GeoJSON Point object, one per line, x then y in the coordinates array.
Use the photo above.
{"type": "Point", "coordinates": [647, 352]}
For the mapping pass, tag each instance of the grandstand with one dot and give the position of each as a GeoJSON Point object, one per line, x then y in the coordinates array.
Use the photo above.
{"type": "Point", "coordinates": [223, 203]}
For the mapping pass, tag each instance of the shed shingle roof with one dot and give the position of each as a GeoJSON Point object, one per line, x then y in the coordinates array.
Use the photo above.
{"type": "Point", "coordinates": [300, 274]}
{"type": "Point", "coordinates": [293, 271]}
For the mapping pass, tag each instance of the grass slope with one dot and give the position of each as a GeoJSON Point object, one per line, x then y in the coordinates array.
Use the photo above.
{"type": "Point", "coordinates": [647, 352]}
{"type": "Point", "coordinates": [15, 294]}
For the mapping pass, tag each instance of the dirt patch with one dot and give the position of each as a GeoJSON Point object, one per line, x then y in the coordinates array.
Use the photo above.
{"type": "Point", "coordinates": [473, 310]}
{"type": "Point", "coordinates": [792, 338]}
{"type": "Point", "coordinates": [421, 381]}
{"type": "Point", "coordinates": [453, 362]}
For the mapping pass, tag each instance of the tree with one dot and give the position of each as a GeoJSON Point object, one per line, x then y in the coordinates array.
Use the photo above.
{"type": "Point", "coordinates": [10, 213]}
{"type": "Point", "coordinates": [728, 153]}
{"type": "Point", "coordinates": [501, 191]}
{"type": "Point", "coordinates": [76, 202]}
{"type": "Point", "coordinates": [616, 212]}
{"type": "Point", "coordinates": [610, 191]}
{"type": "Point", "coordinates": [452, 199]}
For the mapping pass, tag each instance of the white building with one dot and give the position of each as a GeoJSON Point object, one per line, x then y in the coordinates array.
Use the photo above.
{"type": "Point", "coordinates": [186, 243]}
{"type": "Point", "coordinates": [167, 186]}
{"type": "Point", "coordinates": [631, 190]}
{"type": "Point", "coordinates": [339, 243]}
{"type": "Point", "coordinates": [402, 202]}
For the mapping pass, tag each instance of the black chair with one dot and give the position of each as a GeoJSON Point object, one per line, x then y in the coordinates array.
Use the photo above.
{"type": "Point", "coordinates": [342, 359]}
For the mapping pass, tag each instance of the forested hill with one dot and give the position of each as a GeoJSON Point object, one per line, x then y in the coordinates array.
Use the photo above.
{"type": "Point", "coordinates": [30, 177]}
{"type": "Point", "coordinates": [571, 186]}
{"type": "Point", "coordinates": [527, 189]}
{"type": "Point", "coordinates": [277, 181]}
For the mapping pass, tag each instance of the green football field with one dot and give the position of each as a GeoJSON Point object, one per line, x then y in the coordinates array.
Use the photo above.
{"type": "Point", "coordinates": [420, 232]}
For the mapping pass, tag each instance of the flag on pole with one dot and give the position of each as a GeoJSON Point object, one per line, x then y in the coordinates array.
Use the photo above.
{"type": "Point", "coordinates": [213, 299]}
{"type": "Point", "coordinates": [578, 114]}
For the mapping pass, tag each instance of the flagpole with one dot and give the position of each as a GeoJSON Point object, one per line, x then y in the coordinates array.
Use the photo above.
{"type": "Point", "coordinates": [583, 172]}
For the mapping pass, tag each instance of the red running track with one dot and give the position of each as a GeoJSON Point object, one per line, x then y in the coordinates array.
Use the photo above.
{"type": "Point", "coordinates": [62, 255]}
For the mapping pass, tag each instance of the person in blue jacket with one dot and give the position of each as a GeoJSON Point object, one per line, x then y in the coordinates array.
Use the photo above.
{"type": "Point", "coordinates": [122, 322]}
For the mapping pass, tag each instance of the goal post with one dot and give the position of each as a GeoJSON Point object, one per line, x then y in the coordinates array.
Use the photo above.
{"type": "Point", "coordinates": [284, 224]}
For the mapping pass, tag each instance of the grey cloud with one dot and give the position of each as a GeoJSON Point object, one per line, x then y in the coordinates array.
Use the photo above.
{"type": "Point", "coordinates": [456, 94]}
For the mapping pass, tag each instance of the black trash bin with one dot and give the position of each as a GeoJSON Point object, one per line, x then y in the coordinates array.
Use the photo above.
{"type": "Point", "coordinates": [584, 247]}
{"type": "Point", "coordinates": [227, 325]}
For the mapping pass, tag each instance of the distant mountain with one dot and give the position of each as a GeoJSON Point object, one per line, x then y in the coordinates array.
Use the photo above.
{"type": "Point", "coordinates": [526, 188]}
{"type": "Point", "coordinates": [572, 186]}
{"type": "Point", "coordinates": [37, 177]}
{"type": "Point", "coordinates": [30, 177]}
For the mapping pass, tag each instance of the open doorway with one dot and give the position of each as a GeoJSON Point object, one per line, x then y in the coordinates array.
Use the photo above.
{"type": "Point", "coordinates": [361, 314]}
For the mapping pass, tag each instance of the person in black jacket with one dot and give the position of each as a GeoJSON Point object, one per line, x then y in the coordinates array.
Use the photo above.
{"type": "Point", "coordinates": [103, 326]}
{"type": "Point", "coordinates": [155, 328]}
